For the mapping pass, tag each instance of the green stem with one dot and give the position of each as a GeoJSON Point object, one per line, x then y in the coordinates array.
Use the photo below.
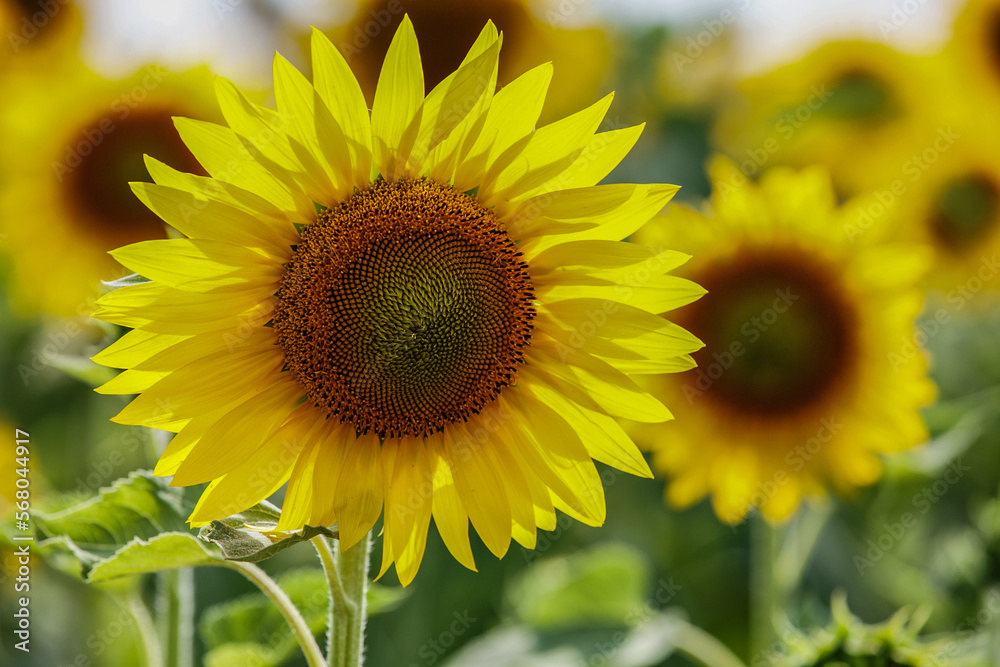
{"type": "Point", "coordinates": [763, 586]}
{"type": "Point", "coordinates": [338, 598]}
{"type": "Point", "coordinates": [348, 619]}
{"type": "Point", "coordinates": [304, 636]}
{"type": "Point", "coordinates": [177, 613]}
{"type": "Point", "coordinates": [695, 643]}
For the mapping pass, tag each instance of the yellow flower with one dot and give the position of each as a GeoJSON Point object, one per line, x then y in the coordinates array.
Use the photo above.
{"type": "Point", "coordinates": [71, 141]}
{"type": "Point", "coordinates": [809, 369]}
{"type": "Point", "coordinates": [580, 54]}
{"type": "Point", "coordinates": [423, 308]}
{"type": "Point", "coordinates": [844, 100]}
{"type": "Point", "coordinates": [975, 48]}
{"type": "Point", "coordinates": [949, 199]}
{"type": "Point", "coordinates": [37, 28]}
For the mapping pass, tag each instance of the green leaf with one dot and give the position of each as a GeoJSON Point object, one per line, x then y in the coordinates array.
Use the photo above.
{"type": "Point", "coordinates": [163, 552]}
{"type": "Point", "coordinates": [249, 536]}
{"type": "Point", "coordinates": [139, 506]}
{"type": "Point", "coordinates": [241, 655]}
{"type": "Point", "coordinates": [602, 586]}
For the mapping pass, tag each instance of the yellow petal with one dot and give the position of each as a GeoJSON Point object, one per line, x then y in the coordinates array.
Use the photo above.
{"type": "Point", "coordinates": [480, 489]}
{"type": "Point", "coordinates": [398, 95]}
{"type": "Point", "coordinates": [298, 503]}
{"type": "Point", "coordinates": [135, 347]}
{"type": "Point", "coordinates": [512, 115]}
{"type": "Point", "coordinates": [240, 433]}
{"type": "Point", "coordinates": [450, 517]}
{"type": "Point", "coordinates": [358, 497]}
{"type": "Point", "coordinates": [409, 503]}
{"type": "Point", "coordinates": [341, 93]}
{"type": "Point", "coordinates": [223, 155]}
{"type": "Point", "coordinates": [541, 156]}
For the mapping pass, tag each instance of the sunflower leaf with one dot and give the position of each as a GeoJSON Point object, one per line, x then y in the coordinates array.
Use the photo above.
{"type": "Point", "coordinates": [138, 507]}
{"type": "Point", "coordinates": [167, 551]}
{"type": "Point", "coordinates": [250, 536]}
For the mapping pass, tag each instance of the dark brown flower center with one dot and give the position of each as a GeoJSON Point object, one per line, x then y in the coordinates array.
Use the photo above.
{"type": "Point", "coordinates": [405, 308]}
{"type": "Point", "coordinates": [966, 211]}
{"type": "Point", "coordinates": [100, 160]}
{"type": "Point", "coordinates": [445, 30]}
{"type": "Point", "coordinates": [860, 95]}
{"type": "Point", "coordinates": [778, 335]}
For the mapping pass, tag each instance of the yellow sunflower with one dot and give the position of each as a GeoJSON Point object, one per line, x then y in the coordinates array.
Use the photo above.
{"type": "Point", "coordinates": [32, 28]}
{"type": "Point", "coordinates": [843, 100]}
{"type": "Point", "coordinates": [809, 370]}
{"type": "Point", "coordinates": [580, 53]}
{"type": "Point", "coordinates": [949, 198]}
{"type": "Point", "coordinates": [976, 50]}
{"type": "Point", "coordinates": [423, 308]}
{"type": "Point", "coordinates": [71, 140]}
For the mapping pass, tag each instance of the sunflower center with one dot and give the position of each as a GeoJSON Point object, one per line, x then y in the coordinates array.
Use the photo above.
{"type": "Point", "coordinates": [966, 210]}
{"type": "Point", "coordinates": [993, 38]}
{"type": "Point", "coordinates": [102, 158]}
{"type": "Point", "coordinates": [778, 337]}
{"type": "Point", "coordinates": [405, 308]}
{"type": "Point", "coordinates": [859, 95]}
{"type": "Point", "coordinates": [445, 30]}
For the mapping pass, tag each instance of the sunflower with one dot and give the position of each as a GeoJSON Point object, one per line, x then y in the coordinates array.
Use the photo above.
{"type": "Point", "coordinates": [37, 27]}
{"type": "Point", "coordinates": [71, 141]}
{"type": "Point", "coordinates": [809, 369]}
{"type": "Point", "coordinates": [975, 48]}
{"type": "Point", "coordinates": [843, 100]}
{"type": "Point", "coordinates": [579, 52]}
{"type": "Point", "coordinates": [424, 308]}
{"type": "Point", "coordinates": [949, 198]}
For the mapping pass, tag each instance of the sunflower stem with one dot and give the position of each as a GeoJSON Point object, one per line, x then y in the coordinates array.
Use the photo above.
{"type": "Point", "coordinates": [270, 588]}
{"type": "Point", "coordinates": [763, 587]}
{"type": "Point", "coordinates": [348, 619]}
{"type": "Point", "coordinates": [176, 603]}
{"type": "Point", "coordinates": [695, 643]}
{"type": "Point", "coordinates": [338, 598]}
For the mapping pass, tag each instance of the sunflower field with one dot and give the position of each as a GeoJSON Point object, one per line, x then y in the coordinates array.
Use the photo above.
{"type": "Point", "coordinates": [500, 333]}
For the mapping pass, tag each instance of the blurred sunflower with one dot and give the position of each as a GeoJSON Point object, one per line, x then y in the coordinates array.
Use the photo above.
{"type": "Point", "coordinates": [71, 140]}
{"type": "Point", "coordinates": [38, 27]}
{"type": "Point", "coordinates": [807, 374]}
{"type": "Point", "coordinates": [580, 54]}
{"type": "Point", "coordinates": [843, 100]}
{"type": "Point", "coordinates": [951, 201]}
{"type": "Point", "coordinates": [976, 49]}
{"type": "Point", "coordinates": [425, 308]}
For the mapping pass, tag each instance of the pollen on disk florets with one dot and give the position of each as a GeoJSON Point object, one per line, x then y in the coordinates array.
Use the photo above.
{"type": "Point", "coordinates": [405, 308]}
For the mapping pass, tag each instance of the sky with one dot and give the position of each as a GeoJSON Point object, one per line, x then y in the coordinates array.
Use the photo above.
{"type": "Point", "coordinates": [182, 33]}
